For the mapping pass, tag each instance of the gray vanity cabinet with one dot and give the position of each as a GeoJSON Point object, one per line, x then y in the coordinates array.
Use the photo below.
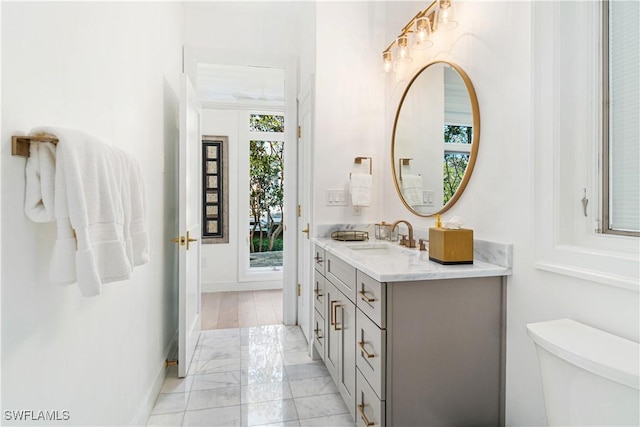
{"type": "Point", "coordinates": [415, 353]}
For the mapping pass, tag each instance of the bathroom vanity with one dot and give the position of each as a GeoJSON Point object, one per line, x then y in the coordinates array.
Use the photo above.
{"type": "Point", "coordinates": [410, 342]}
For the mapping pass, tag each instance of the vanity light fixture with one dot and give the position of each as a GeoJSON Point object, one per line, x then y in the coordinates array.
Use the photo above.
{"type": "Point", "coordinates": [438, 14]}
{"type": "Point", "coordinates": [422, 34]}
{"type": "Point", "coordinates": [445, 15]}
{"type": "Point", "coordinates": [402, 54]}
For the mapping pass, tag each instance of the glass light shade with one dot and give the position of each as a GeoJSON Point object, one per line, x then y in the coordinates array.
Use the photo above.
{"type": "Point", "coordinates": [387, 62]}
{"type": "Point", "coordinates": [422, 34]}
{"type": "Point", "coordinates": [446, 19]}
{"type": "Point", "coordinates": [402, 54]}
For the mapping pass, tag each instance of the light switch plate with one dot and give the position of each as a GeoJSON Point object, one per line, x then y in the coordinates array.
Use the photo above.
{"type": "Point", "coordinates": [336, 197]}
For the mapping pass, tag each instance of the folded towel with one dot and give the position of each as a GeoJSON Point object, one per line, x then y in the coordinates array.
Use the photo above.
{"type": "Point", "coordinates": [40, 180]}
{"type": "Point", "coordinates": [89, 182]}
{"type": "Point", "coordinates": [412, 189]}
{"type": "Point", "coordinates": [360, 189]}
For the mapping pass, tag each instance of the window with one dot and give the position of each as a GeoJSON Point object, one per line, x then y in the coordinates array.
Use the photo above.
{"type": "Point", "coordinates": [457, 148]}
{"type": "Point", "coordinates": [621, 117]}
{"type": "Point", "coordinates": [215, 221]}
{"type": "Point", "coordinates": [266, 190]}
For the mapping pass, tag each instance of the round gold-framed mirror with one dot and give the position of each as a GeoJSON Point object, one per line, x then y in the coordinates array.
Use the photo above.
{"type": "Point", "coordinates": [435, 138]}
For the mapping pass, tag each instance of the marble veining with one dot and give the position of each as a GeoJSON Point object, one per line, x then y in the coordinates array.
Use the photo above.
{"type": "Point", "coordinates": [398, 264]}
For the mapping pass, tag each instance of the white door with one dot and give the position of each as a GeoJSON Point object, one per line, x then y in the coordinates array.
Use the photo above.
{"type": "Point", "coordinates": [305, 281]}
{"type": "Point", "coordinates": [188, 240]}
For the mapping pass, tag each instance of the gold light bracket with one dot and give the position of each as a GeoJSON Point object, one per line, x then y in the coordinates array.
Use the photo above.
{"type": "Point", "coordinates": [430, 13]}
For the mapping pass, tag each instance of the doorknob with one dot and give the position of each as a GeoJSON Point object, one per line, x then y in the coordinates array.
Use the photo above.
{"type": "Point", "coordinates": [179, 240]}
{"type": "Point", "coordinates": [189, 239]}
{"type": "Point", "coordinates": [306, 230]}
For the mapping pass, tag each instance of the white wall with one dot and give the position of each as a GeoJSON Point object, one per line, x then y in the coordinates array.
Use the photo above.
{"type": "Point", "coordinates": [349, 107]}
{"type": "Point", "coordinates": [222, 258]}
{"type": "Point", "coordinates": [493, 44]}
{"type": "Point", "coordinates": [112, 70]}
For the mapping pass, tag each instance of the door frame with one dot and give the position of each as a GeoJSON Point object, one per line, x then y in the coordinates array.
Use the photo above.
{"type": "Point", "coordinates": [289, 63]}
{"type": "Point", "coordinates": [305, 306]}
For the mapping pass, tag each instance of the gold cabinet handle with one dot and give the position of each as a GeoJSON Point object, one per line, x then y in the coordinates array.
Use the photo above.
{"type": "Point", "coordinates": [318, 259]}
{"type": "Point", "coordinates": [363, 416]}
{"type": "Point", "coordinates": [366, 353]}
{"type": "Point", "coordinates": [334, 316]}
{"type": "Point", "coordinates": [365, 298]}
{"type": "Point", "coordinates": [318, 336]}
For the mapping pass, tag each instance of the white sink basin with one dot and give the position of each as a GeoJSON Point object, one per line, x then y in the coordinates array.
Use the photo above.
{"type": "Point", "coordinates": [377, 248]}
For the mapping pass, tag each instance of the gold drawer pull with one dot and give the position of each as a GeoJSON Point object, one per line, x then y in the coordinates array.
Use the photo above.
{"type": "Point", "coordinates": [317, 292]}
{"type": "Point", "coordinates": [363, 416]}
{"type": "Point", "coordinates": [366, 353]}
{"type": "Point", "coordinates": [315, 332]}
{"type": "Point", "coordinates": [318, 259]}
{"type": "Point", "coordinates": [335, 317]}
{"type": "Point", "coordinates": [365, 298]}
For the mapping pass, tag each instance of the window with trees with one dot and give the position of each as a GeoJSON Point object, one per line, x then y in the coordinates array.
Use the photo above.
{"type": "Point", "coordinates": [455, 159]}
{"type": "Point", "coordinates": [266, 189]}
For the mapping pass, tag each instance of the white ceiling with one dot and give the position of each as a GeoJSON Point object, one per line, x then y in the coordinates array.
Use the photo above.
{"type": "Point", "coordinates": [240, 85]}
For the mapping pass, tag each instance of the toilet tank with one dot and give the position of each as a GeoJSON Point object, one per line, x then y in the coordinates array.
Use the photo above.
{"type": "Point", "coordinates": [589, 377]}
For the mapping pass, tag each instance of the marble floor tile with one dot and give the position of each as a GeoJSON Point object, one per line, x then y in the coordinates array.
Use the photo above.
{"type": "Point", "coordinates": [307, 370]}
{"type": "Point", "coordinates": [343, 420]}
{"type": "Point", "coordinates": [168, 420]}
{"type": "Point", "coordinates": [294, 423]}
{"type": "Point", "coordinates": [215, 342]}
{"type": "Point", "coordinates": [265, 392]}
{"type": "Point", "coordinates": [269, 374]}
{"type": "Point", "coordinates": [220, 333]}
{"type": "Point", "coordinates": [219, 353]}
{"type": "Point", "coordinates": [176, 385]}
{"type": "Point", "coordinates": [213, 398]}
{"type": "Point", "coordinates": [296, 358]}
{"type": "Point", "coordinates": [216, 365]}
{"type": "Point", "coordinates": [276, 411]}
{"type": "Point", "coordinates": [261, 360]}
{"type": "Point", "coordinates": [312, 386]}
{"type": "Point", "coordinates": [320, 406]}
{"type": "Point", "coordinates": [170, 402]}
{"type": "Point", "coordinates": [215, 380]}
{"type": "Point", "coordinates": [227, 416]}
{"type": "Point", "coordinates": [295, 345]}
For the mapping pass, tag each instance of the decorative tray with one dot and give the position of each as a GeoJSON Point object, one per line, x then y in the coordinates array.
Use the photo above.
{"type": "Point", "coordinates": [350, 236]}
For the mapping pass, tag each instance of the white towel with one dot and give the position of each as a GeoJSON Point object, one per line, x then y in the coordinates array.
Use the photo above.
{"type": "Point", "coordinates": [412, 189]}
{"type": "Point", "coordinates": [40, 180]}
{"type": "Point", "coordinates": [360, 189]}
{"type": "Point", "coordinates": [90, 199]}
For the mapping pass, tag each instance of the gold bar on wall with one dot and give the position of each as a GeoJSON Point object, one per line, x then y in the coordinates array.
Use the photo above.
{"type": "Point", "coordinates": [20, 144]}
{"type": "Point", "coordinates": [358, 161]}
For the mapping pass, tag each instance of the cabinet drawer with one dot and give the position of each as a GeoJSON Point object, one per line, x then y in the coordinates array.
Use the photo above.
{"type": "Point", "coordinates": [318, 259]}
{"type": "Point", "coordinates": [342, 275]}
{"type": "Point", "coordinates": [318, 332]}
{"type": "Point", "coordinates": [370, 411]}
{"type": "Point", "coordinates": [371, 298]}
{"type": "Point", "coordinates": [318, 292]}
{"type": "Point", "coordinates": [371, 344]}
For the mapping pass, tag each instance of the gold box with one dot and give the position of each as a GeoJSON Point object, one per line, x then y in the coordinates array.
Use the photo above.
{"type": "Point", "coordinates": [451, 246]}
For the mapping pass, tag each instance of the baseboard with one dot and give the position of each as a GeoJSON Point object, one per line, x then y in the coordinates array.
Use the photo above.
{"type": "Point", "coordinates": [146, 406]}
{"type": "Point", "coordinates": [241, 286]}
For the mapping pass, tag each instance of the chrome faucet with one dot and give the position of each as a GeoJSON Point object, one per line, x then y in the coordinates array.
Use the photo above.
{"type": "Point", "coordinates": [411, 242]}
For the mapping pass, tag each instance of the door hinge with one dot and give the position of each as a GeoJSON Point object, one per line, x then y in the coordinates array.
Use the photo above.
{"type": "Point", "coordinates": [299, 211]}
{"type": "Point", "coordinates": [299, 132]}
{"type": "Point", "coordinates": [299, 289]}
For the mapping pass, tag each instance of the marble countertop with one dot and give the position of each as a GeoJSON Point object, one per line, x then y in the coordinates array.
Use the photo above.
{"type": "Point", "coordinates": [389, 262]}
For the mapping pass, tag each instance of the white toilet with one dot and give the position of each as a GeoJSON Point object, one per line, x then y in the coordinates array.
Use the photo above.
{"type": "Point", "coordinates": [589, 377]}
